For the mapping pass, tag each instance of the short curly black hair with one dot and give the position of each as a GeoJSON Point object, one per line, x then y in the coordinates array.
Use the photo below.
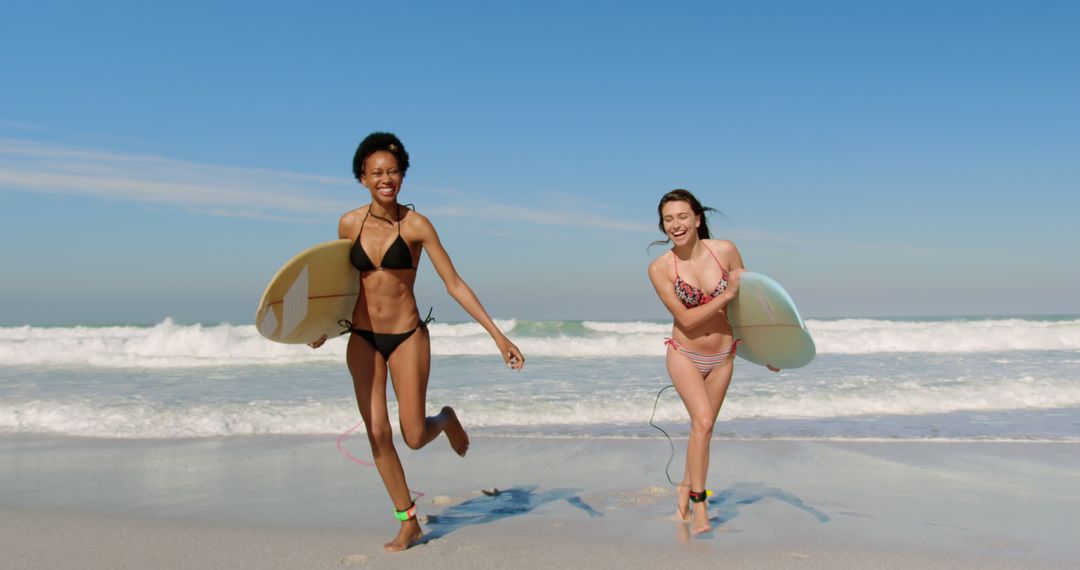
{"type": "Point", "coordinates": [374, 143]}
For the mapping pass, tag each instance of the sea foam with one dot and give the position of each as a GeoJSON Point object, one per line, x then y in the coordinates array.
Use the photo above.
{"type": "Point", "coordinates": [607, 411]}
{"type": "Point", "coordinates": [168, 344]}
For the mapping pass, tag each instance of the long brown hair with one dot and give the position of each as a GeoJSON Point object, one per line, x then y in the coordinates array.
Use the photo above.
{"type": "Point", "coordinates": [680, 195]}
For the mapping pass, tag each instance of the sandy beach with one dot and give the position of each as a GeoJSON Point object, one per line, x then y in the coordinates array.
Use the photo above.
{"type": "Point", "coordinates": [296, 502]}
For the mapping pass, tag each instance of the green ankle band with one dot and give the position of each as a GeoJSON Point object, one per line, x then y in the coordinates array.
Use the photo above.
{"type": "Point", "coordinates": [406, 514]}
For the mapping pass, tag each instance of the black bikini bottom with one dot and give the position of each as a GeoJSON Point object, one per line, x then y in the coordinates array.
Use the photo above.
{"type": "Point", "coordinates": [386, 343]}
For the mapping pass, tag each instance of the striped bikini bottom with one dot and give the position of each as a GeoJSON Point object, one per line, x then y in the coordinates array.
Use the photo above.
{"type": "Point", "coordinates": [704, 362]}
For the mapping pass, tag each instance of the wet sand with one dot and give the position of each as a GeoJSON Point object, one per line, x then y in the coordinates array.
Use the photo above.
{"type": "Point", "coordinates": [295, 502]}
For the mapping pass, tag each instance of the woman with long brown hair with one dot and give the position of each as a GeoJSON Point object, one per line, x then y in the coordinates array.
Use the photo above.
{"type": "Point", "coordinates": [696, 279]}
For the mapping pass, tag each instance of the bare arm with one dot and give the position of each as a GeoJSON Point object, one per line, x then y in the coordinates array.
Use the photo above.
{"type": "Point", "coordinates": [690, 318]}
{"type": "Point", "coordinates": [728, 251]}
{"type": "Point", "coordinates": [731, 253]}
{"type": "Point", "coordinates": [344, 226]}
{"type": "Point", "coordinates": [345, 229]}
{"type": "Point", "coordinates": [463, 294]}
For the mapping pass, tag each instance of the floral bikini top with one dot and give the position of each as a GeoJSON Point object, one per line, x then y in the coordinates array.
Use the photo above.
{"type": "Point", "coordinates": [692, 296]}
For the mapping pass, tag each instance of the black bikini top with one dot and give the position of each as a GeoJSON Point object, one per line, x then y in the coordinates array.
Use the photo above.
{"type": "Point", "coordinates": [397, 256]}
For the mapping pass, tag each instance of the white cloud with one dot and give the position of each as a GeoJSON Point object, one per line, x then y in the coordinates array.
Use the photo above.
{"type": "Point", "coordinates": [35, 167]}
{"type": "Point", "coordinates": [19, 125]}
{"type": "Point", "coordinates": [290, 197]}
{"type": "Point", "coordinates": [242, 192]}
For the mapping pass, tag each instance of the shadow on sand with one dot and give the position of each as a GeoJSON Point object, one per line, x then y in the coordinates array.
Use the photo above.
{"type": "Point", "coordinates": [517, 501]}
{"type": "Point", "coordinates": [505, 504]}
{"type": "Point", "coordinates": [726, 503]}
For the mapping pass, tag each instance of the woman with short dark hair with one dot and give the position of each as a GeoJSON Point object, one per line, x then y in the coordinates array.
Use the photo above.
{"type": "Point", "coordinates": [388, 337]}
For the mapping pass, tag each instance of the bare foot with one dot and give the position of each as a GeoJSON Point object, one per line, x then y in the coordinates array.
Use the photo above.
{"type": "Point", "coordinates": [459, 440]}
{"type": "Point", "coordinates": [682, 503]}
{"type": "Point", "coordinates": [684, 533]}
{"type": "Point", "coordinates": [701, 518]}
{"type": "Point", "coordinates": [409, 535]}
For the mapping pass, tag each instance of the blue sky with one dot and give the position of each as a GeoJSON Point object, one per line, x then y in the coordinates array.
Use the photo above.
{"type": "Point", "coordinates": [878, 159]}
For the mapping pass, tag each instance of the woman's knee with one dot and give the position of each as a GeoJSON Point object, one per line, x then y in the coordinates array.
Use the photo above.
{"type": "Point", "coordinates": [413, 434]}
{"type": "Point", "coordinates": [701, 426]}
{"type": "Point", "coordinates": [381, 436]}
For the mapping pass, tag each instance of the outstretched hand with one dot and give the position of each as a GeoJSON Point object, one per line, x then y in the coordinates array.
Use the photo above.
{"type": "Point", "coordinates": [511, 354]}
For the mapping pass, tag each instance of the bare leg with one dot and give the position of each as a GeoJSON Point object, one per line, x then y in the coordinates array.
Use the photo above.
{"type": "Point", "coordinates": [368, 371]}
{"type": "Point", "coordinates": [702, 398]}
{"type": "Point", "coordinates": [716, 386]}
{"type": "Point", "coordinates": [410, 366]}
{"type": "Point", "coordinates": [682, 500]}
{"type": "Point", "coordinates": [691, 388]}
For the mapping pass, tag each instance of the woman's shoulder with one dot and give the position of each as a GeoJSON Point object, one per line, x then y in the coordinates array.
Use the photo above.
{"type": "Point", "coordinates": [354, 215]}
{"type": "Point", "coordinates": [416, 226]}
{"type": "Point", "coordinates": [721, 245]}
{"type": "Point", "coordinates": [348, 224]}
{"type": "Point", "coordinates": [412, 219]}
{"type": "Point", "coordinates": [410, 215]}
{"type": "Point", "coordinates": [725, 252]}
{"type": "Point", "coordinates": [661, 263]}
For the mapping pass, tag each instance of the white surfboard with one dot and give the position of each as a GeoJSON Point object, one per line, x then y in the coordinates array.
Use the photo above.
{"type": "Point", "coordinates": [765, 318]}
{"type": "Point", "coordinates": [309, 295]}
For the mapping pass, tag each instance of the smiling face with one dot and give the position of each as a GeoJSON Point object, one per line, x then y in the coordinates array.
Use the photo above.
{"type": "Point", "coordinates": [680, 222]}
{"type": "Point", "coordinates": [382, 177]}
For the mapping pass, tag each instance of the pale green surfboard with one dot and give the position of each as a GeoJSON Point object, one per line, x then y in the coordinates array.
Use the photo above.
{"type": "Point", "coordinates": [309, 295]}
{"type": "Point", "coordinates": [765, 318]}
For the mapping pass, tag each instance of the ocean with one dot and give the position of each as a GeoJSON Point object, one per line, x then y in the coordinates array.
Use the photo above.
{"type": "Point", "coordinates": [962, 379]}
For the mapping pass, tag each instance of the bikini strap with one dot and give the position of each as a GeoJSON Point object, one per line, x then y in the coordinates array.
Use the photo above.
{"type": "Point", "coordinates": [714, 257]}
{"type": "Point", "coordinates": [675, 257]}
{"type": "Point", "coordinates": [362, 222]}
{"type": "Point", "coordinates": [346, 325]}
{"type": "Point", "coordinates": [402, 216]}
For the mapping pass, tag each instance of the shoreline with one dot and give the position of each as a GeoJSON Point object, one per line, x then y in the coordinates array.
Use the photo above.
{"type": "Point", "coordinates": [799, 503]}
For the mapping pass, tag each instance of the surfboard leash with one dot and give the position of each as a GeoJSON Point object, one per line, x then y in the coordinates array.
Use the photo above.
{"type": "Point", "coordinates": [667, 468]}
{"type": "Point", "coordinates": [350, 457]}
{"type": "Point", "coordinates": [348, 326]}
